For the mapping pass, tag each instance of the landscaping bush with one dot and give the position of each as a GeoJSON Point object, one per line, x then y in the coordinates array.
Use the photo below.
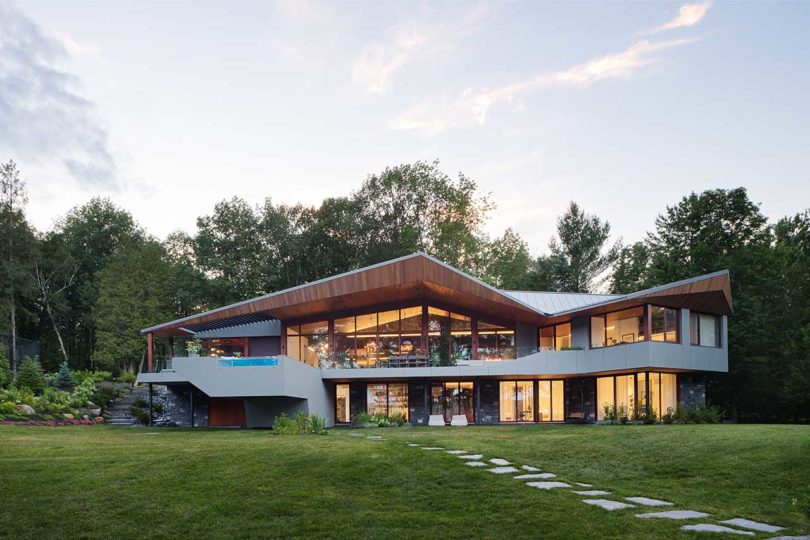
{"type": "Point", "coordinates": [127, 375]}
{"type": "Point", "coordinates": [140, 403]}
{"type": "Point", "coordinates": [669, 416]}
{"type": "Point", "coordinates": [300, 424]}
{"type": "Point", "coordinates": [140, 414]}
{"type": "Point", "coordinates": [7, 407]}
{"type": "Point", "coordinates": [82, 393]}
{"type": "Point", "coordinates": [93, 376]}
{"type": "Point", "coordinates": [397, 420]}
{"type": "Point", "coordinates": [30, 376]}
{"type": "Point", "coordinates": [361, 419]}
{"type": "Point", "coordinates": [283, 425]}
{"type": "Point", "coordinates": [318, 424]}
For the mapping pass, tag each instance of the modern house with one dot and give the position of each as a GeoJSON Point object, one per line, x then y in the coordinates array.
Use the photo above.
{"type": "Point", "coordinates": [416, 337]}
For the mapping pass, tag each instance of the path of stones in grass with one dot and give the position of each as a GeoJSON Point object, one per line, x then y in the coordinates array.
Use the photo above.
{"type": "Point", "coordinates": [504, 467]}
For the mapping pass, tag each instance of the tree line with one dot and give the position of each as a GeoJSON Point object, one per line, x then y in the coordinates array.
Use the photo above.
{"type": "Point", "coordinates": [85, 288]}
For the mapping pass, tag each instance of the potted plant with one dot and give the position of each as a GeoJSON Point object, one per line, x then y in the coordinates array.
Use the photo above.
{"type": "Point", "coordinates": [194, 347]}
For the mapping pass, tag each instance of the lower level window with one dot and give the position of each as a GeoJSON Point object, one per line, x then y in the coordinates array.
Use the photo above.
{"type": "Point", "coordinates": [342, 408]}
{"type": "Point", "coordinates": [550, 401]}
{"type": "Point", "coordinates": [628, 393]}
{"type": "Point", "coordinates": [388, 399]}
{"type": "Point", "coordinates": [451, 399]}
{"type": "Point", "coordinates": [517, 401]}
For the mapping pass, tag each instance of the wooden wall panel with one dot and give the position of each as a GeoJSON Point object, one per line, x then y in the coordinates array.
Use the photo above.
{"type": "Point", "coordinates": [226, 412]}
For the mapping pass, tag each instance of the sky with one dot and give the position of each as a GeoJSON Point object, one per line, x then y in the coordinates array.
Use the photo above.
{"type": "Point", "coordinates": [167, 108]}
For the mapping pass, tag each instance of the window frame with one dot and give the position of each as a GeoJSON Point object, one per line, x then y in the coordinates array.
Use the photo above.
{"type": "Point", "coordinates": [644, 326]}
{"type": "Point", "coordinates": [718, 328]}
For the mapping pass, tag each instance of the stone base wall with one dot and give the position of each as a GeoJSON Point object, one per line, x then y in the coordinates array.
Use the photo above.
{"type": "Point", "coordinates": [580, 399]}
{"type": "Point", "coordinates": [691, 388]}
{"type": "Point", "coordinates": [177, 408]}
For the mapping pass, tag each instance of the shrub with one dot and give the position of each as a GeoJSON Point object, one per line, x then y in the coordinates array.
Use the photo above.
{"type": "Point", "coordinates": [622, 414]}
{"type": "Point", "coordinates": [64, 378]}
{"type": "Point", "coordinates": [127, 375]}
{"type": "Point", "coordinates": [19, 395]}
{"type": "Point", "coordinates": [8, 407]}
{"type": "Point", "coordinates": [301, 421]}
{"type": "Point", "coordinates": [318, 424]}
{"type": "Point", "coordinates": [361, 419]}
{"type": "Point", "coordinates": [283, 425]}
{"type": "Point", "coordinates": [94, 376]}
{"type": "Point", "coordinates": [83, 393]}
{"type": "Point", "coordinates": [380, 419]}
{"type": "Point", "coordinates": [157, 408]}
{"type": "Point", "coordinates": [140, 413]}
{"type": "Point", "coordinates": [30, 376]}
{"type": "Point", "coordinates": [140, 403]}
{"type": "Point", "coordinates": [669, 416]}
{"type": "Point", "coordinates": [397, 419]}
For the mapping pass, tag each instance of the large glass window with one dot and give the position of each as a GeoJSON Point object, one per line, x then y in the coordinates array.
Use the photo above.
{"type": "Point", "coordinates": [452, 398]}
{"type": "Point", "coordinates": [547, 338]}
{"type": "Point", "coordinates": [550, 402]}
{"type": "Point", "coordinates": [704, 329]}
{"type": "Point", "coordinates": [556, 337]}
{"type": "Point", "coordinates": [660, 388]}
{"type": "Point", "coordinates": [342, 408]}
{"type": "Point", "coordinates": [389, 399]}
{"type": "Point", "coordinates": [495, 342]}
{"type": "Point", "coordinates": [315, 343]}
{"type": "Point", "coordinates": [617, 327]}
{"type": "Point", "coordinates": [517, 401]}
{"type": "Point", "coordinates": [664, 322]}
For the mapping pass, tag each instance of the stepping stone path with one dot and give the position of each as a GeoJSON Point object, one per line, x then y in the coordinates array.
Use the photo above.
{"type": "Point", "coordinates": [675, 514]}
{"type": "Point", "coordinates": [608, 504]}
{"type": "Point", "coordinates": [753, 525]}
{"type": "Point", "coordinates": [644, 501]}
{"type": "Point", "coordinates": [503, 470]}
{"type": "Point", "coordinates": [505, 467]}
{"type": "Point", "coordinates": [547, 485]}
{"type": "Point", "coordinates": [710, 527]}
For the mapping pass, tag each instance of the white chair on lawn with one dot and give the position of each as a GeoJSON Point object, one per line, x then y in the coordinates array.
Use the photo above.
{"type": "Point", "coordinates": [436, 420]}
{"type": "Point", "coordinates": [459, 420]}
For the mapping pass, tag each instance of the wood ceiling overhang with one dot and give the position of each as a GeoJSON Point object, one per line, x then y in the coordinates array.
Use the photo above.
{"type": "Point", "coordinates": [423, 278]}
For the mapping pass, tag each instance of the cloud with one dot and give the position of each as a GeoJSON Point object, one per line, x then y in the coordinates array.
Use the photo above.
{"type": "Point", "coordinates": [472, 106]}
{"type": "Point", "coordinates": [44, 119]}
{"type": "Point", "coordinates": [688, 15]}
{"type": "Point", "coordinates": [378, 63]}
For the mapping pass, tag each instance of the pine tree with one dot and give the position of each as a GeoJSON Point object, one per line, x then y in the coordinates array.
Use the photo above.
{"type": "Point", "coordinates": [5, 371]}
{"type": "Point", "coordinates": [65, 380]}
{"type": "Point", "coordinates": [30, 375]}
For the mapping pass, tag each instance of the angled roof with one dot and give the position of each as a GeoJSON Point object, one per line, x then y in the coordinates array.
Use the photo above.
{"type": "Point", "coordinates": [420, 276]}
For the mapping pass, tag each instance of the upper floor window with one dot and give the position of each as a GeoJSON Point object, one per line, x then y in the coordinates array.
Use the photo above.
{"type": "Point", "coordinates": [704, 329]}
{"type": "Point", "coordinates": [555, 338]}
{"type": "Point", "coordinates": [617, 327]}
{"type": "Point", "coordinates": [495, 342]}
{"type": "Point", "coordinates": [664, 324]}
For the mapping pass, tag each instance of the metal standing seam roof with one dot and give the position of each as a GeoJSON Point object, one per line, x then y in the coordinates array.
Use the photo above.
{"type": "Point", "coordinates": [557, 302]}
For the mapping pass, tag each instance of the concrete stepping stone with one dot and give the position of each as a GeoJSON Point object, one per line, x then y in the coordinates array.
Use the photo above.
{"type": "Point", "coordinates": [530, 468]}
{"type": "Point", "coordinates": [608, 504]}
{"type": "Point", "coordinates": [374, 437]}
{"type": "Point", "coordinates": [499, 461]}
{"type": "Point", "coordinates": [753, 525]}
{"type": "Point", "coordinates": [580, 484]}
{"type": "Point", "coordinates": [456, 451]}
{"type": "Point", "coordinates": [675, 514]}
{"type": "Point", "coordinates": [414, 445]}
{"type": "Point", "coordinates": [432, 448]}
{"type": "Point", "coordinates": [645, 501]}
{"type": "Point", "coordinates": [547, 485]}
{"type": "Point", "coordinates": [503, 470]}
{"type": "Point", "coordinates": [471, 456]}
{"type": "Point", "coordinates": [711, 527]}
{"type": "Point", "coordinates": [475, 464]}
{"type": "Point", "coordinates": [802, 537]}
{"type": "Point", "coordinates": [592, 492]}
{"type": "Point", "coordinates": [535, 475]}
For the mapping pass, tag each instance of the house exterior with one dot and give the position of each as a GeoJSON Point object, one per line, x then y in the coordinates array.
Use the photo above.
{"type": "Point", "coordinates": [416, 337]}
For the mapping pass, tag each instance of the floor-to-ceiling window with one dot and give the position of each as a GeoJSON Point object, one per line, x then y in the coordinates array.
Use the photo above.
{"type": "Point", "coordinates": [342, 406]}
{"type": "Point", "coordinates": [557, 337]}
{"type": "Point", "coordinates": [617, 327]}
{"type": "Point", "coordinates": [309, 343]}
{"type": "Point", "coordinates": [517, 401]}
{"type": "Point", "coordinates": [451, 399]}
{"type": "Point", "coordinates": [387, 398]}
{"type": "Point", "coordinates": [495, 342]}
{"type": "Point", "coordinates": [550, 401]}
{"type": "Point", "coordinates": [449, 337]}
{"type": "Point", "coordinates": [658, 389]}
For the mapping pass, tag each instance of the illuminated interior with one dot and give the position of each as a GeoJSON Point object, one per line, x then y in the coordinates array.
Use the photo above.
{"type": "Point", "coordinates": [517, 401]}
{"type": "Point", "coordinates": [452, 398]}
{"type": "Point", "coordinates": [387, 398]}
{"type": "Point", "coordinates": [342, 408]}
{"type": "Point", "coordinates": [662, 391]}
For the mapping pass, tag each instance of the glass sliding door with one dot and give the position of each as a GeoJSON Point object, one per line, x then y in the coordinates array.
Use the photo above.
{"type": "Point", "coordinates": [525, 401]}
{"type": "Point", "coordinates": [557, 401]}
{"type": "Point", "coordinates": [451, 399]}
{"type": "Point", "coordinates": [605, 395]}
{"type": "Point", "coordinates": [387, 399]}
{"type": "Point", "coordinates": [342, 406]}
{"type": "Point", "coordinates": [507, 401]}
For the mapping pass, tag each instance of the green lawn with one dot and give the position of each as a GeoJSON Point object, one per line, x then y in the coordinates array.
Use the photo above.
{"type": "Point", "coordinates": [103, 482]}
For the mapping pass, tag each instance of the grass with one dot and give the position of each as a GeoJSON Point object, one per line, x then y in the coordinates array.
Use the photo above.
{"type": "Point", "coordinates": [104, 482]}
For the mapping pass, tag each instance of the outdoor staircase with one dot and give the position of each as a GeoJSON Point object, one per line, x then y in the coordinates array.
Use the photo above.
{"type": "Point", "coordinates": [118, 413]}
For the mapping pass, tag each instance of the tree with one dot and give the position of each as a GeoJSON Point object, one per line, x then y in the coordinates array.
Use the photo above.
{"type": "Point", "coordinates": [5, 371]}
{"type": "Point", "coordinates": [133, 294]}
{"type": "Point", "coordinates": [16, 248]}
{"type": "Point", "coordinates": [49, 292]}
{"type": "Point", "coordinates": [187, 283]}
{"type": "Point", "coordinates": [91, 234]}
{"type": "Point", "coordinates": [631, 269]}
{"type": "Point", "coordinates": [506, 262]}
{"type": "Point", "coordinates": [64, 378]}
{"type": "Point", "coordinates": [579, 255]}
{"type": "Point", "coordinates": [30, 376]}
